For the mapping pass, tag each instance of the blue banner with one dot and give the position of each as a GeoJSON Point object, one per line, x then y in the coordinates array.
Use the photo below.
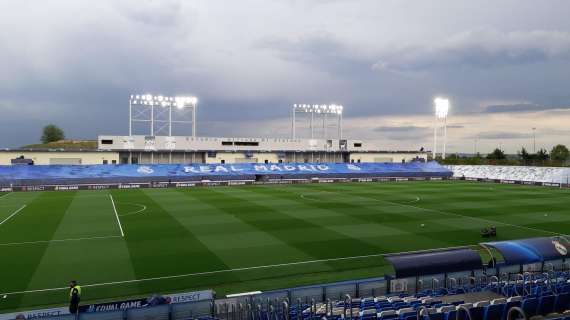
{"type": "Point", "coordinates": [19, 172]}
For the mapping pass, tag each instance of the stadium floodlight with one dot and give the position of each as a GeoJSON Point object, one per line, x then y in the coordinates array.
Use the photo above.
{"type": "Point", "coordinates": [441, 111]}
{"type": "Point", "coordinates": [320, 111]}
{"type": "Point", "coordinates": [441, 107]}
{"type": "Point", "coordinates": [142, 109]}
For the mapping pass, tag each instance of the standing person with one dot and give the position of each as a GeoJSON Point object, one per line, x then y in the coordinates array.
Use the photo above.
{"type": "Point", "coordinates": [74, 297]}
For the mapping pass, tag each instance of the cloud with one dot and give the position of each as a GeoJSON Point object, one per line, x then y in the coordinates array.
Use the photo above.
{"type": "Point", "coordinates": [480, 48]}
{"type": "Point", "coordinates": [522, 107]}
{"type": "Point", "coordinates": [319, 49]}
{"type": "Point", "coordinates": [403, 132]}
{"type": "Point", "coordinates": [501, 135]}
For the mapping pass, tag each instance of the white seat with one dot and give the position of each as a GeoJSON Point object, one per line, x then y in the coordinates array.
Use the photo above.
{"type": "Point", "coordinates": [499, 301]}
{"type": "Point", "coordinates": [481, 304]}
{"type": "Point", "coordinates": [444, 309]}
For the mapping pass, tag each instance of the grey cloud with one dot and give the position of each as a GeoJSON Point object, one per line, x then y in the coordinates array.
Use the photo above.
{"type": "Point", "coordinates": [523, 107]}
{"type": "Point", "coordinates": [501, 135]}
{"type": "Point", "coordinates": [409, 132]}
{"type": "Point", "coordinates": [318, 49]}
{"type": "Point", "coordinates": [482, 48]}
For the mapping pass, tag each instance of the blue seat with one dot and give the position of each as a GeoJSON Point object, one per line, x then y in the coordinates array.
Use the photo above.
{"type": "Point", "coordinates": [530, 306]}
{"type": "Point", "coordinates": [493, 312]}
{"type": "Point", "coordinates": [545, 305]}
{"type": "Point", "coordinates": [561, 302]}
{"type": "Point", "coordinates": [452, 315]}
{"type": "Point", "coordinates": [477, 313]}
{"type": "Point", "coordinates": [435, 316]}
{"type": "Point", "coordinates": [508, 307]}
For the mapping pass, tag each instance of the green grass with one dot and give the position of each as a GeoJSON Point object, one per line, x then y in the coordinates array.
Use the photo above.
{"type": "Point", "coordinates": [197, 230]}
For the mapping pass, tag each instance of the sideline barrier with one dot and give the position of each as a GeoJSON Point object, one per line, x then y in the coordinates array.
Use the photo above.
{"type": "Point", "coordinates": [131, 174]}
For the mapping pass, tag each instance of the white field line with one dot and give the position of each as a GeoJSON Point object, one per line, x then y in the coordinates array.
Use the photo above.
{"type": "Point", "coordinates": [13, 214]}
{"type": "Point", "coordinates": [5, 195]}
{"type": "Point", "coordinates": [220, 271]}
{"type": "Point", "coordinates": [117, 216]}
{"type": "Point", "coordinates": [454, 214]}
{"type": "Point", "coordinates": [56, 240]}
{"type": "Point", "coordinates": [141, 206]}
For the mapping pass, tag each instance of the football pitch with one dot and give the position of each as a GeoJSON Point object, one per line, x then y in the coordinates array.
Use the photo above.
{"type": "Point", "coordinates": [126, 243]}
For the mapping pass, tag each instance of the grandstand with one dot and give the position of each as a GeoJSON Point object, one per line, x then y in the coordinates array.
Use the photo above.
{"type": "Point", "coordinates": [513, 173]}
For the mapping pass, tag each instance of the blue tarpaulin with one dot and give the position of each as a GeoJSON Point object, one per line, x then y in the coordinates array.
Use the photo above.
{"type": "Point", "coordinates": [192, 170]}
{"type": "Point", "coordinates": [532, 250]}
{"type": "Point", "coordinates": [434, 262]}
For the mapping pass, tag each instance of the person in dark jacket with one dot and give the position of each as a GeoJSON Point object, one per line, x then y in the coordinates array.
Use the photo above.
{"type": "Point", "coordinates": [74, 297]}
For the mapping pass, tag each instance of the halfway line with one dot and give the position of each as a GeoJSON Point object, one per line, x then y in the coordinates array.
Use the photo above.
{"type": "Point", "coordinates": [13, 214]}
{"type": "Point", "coordinates": [117, 216]}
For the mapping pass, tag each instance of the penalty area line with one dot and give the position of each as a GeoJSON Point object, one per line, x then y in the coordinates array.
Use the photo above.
{"type": "Point", "coordinates": [117, 216]}
{"type": "Point", "coordinates": [13, 214]}
{"type": "Point", "coordinates": [56, 240]}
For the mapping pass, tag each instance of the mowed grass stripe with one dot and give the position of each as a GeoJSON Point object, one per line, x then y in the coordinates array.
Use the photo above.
{"type": "Point", "coordinates": [440, 207]}
{"type": "Point", "coordinates": [86, 216]}
{"type": "Point", "coordinates": [237, 243]}
{"type": "Point", "coordinates": [310, 237]}
{"type": "Point", "coordinates": [159, 245]}
{"type": "Point", "coordinates": [372, 222]}
{"type": "Point", "coordinates": [38, 221]}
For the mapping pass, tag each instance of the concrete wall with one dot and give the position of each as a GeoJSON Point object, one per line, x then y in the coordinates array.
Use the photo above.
{"type": "Point", "coordinates": [54, 157]}
{"type": "Point", "coordinates": [385, 157]}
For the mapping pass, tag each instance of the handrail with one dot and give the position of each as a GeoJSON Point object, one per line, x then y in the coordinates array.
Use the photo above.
{"type": "Point", "coordinates": [467, 312]}
{"type": "Point", "coordinates": [285, 306]}
{"type": "Point", "coordinates": [517, 284]}
{"type": "Point", "coordinates": [420, 310]}
{"type": "Point", "coordinates": [347, 299]}
{"type": "Point", "coordinates": [453, 281]}
{"type": "Point", "coordinates": [519, 311]}
{"type": "Point", "coordinates": [434, 281]}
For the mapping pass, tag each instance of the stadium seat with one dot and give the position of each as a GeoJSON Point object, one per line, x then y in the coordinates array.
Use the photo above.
{"type": "Point", "coordinates": [546, 305]}
{"type": "Point", "coordinates": [493, 312]}
{"type": "Point", "coordinates": [562, 302]}
{"type": "Point", "coordinates": [530, 306]}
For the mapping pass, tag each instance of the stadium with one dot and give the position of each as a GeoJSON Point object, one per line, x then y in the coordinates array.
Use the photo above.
{"type": "Point", "coordinates": [174, 227]}
{"type": "Point", "coordinates": [370, 209]}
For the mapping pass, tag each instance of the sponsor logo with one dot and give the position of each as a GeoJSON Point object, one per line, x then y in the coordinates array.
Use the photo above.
{"type": "Point", "coordinates": [66, 188]}
{"type": "Point", "coordinates": [5, 189]}
{"type": "Point", "coordinates": [560, 247]}
{"type": "Point", "coordinates": [145, 170]}
{"type": "Point", "coordinates": [236, 183]}
{"type": "Point", "coordinates": [549, 184]}
{"type": "Point", "coordinates": [98, 187]}
{"type": "Point", "coordinates": [508, 181]}
{"type": "Point", "coordinates": [185, 184]}
{"type": "Point", "coordinates": [129, 186]}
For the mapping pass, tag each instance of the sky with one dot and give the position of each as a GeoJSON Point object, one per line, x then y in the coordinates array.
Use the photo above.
{"type": "Point", "coordinates": [504, 65]}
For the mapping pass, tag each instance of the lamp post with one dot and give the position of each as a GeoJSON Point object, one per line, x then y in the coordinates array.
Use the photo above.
{"type": "Point", "coordinates": [441, 111]}
{"type": "Point", "coordinates": [533, 140]}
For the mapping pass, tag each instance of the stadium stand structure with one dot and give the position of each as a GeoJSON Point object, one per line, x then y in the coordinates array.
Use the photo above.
{"type": "Point", "coordinates": [167, 175]}
{"type": "Point", "coordinates": [513, 173]}
{"type": "Point", "coordinates": [531, 279]}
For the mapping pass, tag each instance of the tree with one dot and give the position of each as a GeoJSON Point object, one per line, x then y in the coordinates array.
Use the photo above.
{"type": "Point", "coordinates": [559, 153]}
{"type": "Point", "coordinates": [497, 154]}
{"type": "Point", "coordinates": [524, 155]}
{"type": "Point", "coordinates": [542, 155]}
{"type": "Point", "coordinates": [52, 133]}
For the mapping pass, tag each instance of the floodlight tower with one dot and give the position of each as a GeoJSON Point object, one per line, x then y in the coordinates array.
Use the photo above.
{"type": "Point", "coordinates": [441, 111]}
{"type": "Point", "coordinates": [162, 112]}
{"type": "Point", "coordinates": [316, 111]}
